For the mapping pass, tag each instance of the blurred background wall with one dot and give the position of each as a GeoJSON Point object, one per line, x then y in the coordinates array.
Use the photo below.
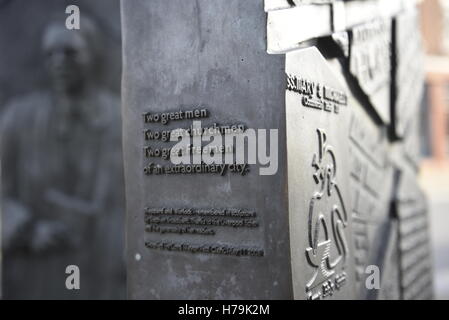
{"type": "Point", "coordinates": [434, 175]}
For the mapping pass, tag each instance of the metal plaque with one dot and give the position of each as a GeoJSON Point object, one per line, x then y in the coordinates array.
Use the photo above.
{"type": "Point", "coordinates": [317, 114]}
{"type": "Point", "coordinates": [412, 143]}
{"type": "Point", "coordinates": [343, 198]}
{"type": "Point", "coordinates": [203, 231]}
{"type": "Point", "coordinates": [371, 191]}
{"type": "Point", "coordinates": [389, 266]}
{"type": "Point", "coordinates": [285, 4]}
{"type": "Point", "coordinates": [370, 63]}
{"type": "Point", "coordinates": [408, 85]}
{"type": "Point", "coordinates": [290, 23]}
{"type": "Point", "coordinates": [414, 246]}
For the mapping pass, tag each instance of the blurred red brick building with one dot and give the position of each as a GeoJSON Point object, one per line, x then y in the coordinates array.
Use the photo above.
{"type": "Point", "coordinates": [435, 28]}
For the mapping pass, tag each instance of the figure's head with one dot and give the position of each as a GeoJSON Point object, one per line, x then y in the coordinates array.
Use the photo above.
{"type": "Point", "coordinates": [70, 54]}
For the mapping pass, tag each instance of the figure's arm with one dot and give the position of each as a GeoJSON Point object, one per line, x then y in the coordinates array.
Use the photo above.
{"type": "Point", "coordinates": [22, 227]}
{"type": "Point", "coordinates": [71, 203]}
{"type": "Point", "coordinates": [16, 216]}
{"type": "Point", "coordinates": [82, 206]}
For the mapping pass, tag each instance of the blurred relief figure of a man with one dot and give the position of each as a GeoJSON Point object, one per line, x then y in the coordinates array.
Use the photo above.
{"type": "Point", "coordinates": [63, 201]}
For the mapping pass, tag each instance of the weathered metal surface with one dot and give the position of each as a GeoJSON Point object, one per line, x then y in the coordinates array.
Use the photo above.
{"type": "Point", "coordinates": [371, 191]}
{"type": "Point", "coordinates": [414, 247]}
{"type": "Point", "coordinates": [370, 63]}
{"type": "Point", "coordinates": [286, 4]}
{"type": "Point", "coordinates": [371, 188]}
{"type": "Point", "coordinates": [409, 71]}
{"type": "Point", "coordinates": [219, 63]}
{"type": "Point", "coordinates": [317, 112]}
{"type": "Point", "coordinates": [289, 27]}
{"type": "Point", "coordinates": [312, 230]}
{"type": "Point", "coordinates": [389, 266]}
